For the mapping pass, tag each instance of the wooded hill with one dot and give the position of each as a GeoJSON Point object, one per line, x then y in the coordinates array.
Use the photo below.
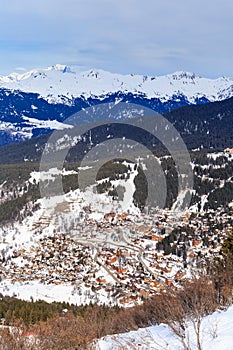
{"type": "Point", "coordinates": [212, 178]}
{"type": "Point", "coordinates": [207, 126]}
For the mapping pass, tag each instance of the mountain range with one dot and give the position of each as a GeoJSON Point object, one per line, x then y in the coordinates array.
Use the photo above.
{"type": "Point", "coordinates": [207, 126]}
{"type": "Point", "coordinates": [39, 101]}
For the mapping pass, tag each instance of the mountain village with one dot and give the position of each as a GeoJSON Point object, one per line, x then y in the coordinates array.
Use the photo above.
{"type": "Point", "coordinates": [112, 258]}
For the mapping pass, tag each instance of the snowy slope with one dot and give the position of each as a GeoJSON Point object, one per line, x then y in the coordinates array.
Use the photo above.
{"type": "Point", "coordinates": [216, 333]}
{"type": "Point", "coordinates": [56, 81]}
{"type": "Point", "coordinates": [42, 223]}
{"type": "Point", "coordinates": [37, 102]}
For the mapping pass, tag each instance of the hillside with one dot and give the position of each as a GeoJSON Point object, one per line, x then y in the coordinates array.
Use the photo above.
{"type": "Point", "coordinates": [108, 254]}
{"type": "Point", "coordinates": [106, 244]}
{"type": "Point", "coordinates": [207, 126]}
{"type": "Point", "coordinates": [216, 333]}
{"type": "Point", "coordinates": [39, 101]}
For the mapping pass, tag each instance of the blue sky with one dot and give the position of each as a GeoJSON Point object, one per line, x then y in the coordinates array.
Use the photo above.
{"type": "Point", "coordinates": [151, 37]}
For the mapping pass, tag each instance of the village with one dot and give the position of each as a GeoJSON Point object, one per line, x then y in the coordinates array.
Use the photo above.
{"type": "Point", "coordinates": [125, 257]}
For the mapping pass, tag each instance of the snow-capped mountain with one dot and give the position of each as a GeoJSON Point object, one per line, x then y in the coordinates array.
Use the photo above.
{"type": "Point", "coordinates": [40, 101]}
{"type": "Point", "coordinates": [59, 81]}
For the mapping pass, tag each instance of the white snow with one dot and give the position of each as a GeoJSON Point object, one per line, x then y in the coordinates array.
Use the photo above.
{"type": "Point", "coordinates": [216, 334]}
{"type": "Point", "coordinates": [25, 235]}
{"type": "Point", "coordinates": [31, 123]}
{"type": "Point", "coordinates": [50, 124]}
{"type": "Point", "coordinates": [215, 155]}
{"type": "Point", "coordinates": [59, 81]}
{"type": "Point", "coordinates": [50, 175]}
{"type": "Point", "coordinates": [52, 292]}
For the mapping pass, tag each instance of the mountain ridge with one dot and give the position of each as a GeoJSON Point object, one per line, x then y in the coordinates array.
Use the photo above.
{"type": "Point", "coordinates": [39, 101]}
{"type": "Point", "coordinates": [59, 80]}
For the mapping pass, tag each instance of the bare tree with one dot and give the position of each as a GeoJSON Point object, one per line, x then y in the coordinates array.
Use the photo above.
{"type": "Point", "coordinates": [178, 308]}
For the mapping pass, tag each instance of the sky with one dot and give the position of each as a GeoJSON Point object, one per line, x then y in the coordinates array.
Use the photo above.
{"type": "Point", "coordinates": [150, 37]}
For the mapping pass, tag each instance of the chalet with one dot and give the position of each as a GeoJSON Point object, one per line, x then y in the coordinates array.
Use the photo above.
{"type": "Point", "coordinates": [180, 274]}
{"type": "Point", "coordinates": [112, 261]}
{"type": "Point", "coordinates": [109, 217]}
{"type": "Point", "coordinates": [196, 242]}
{"type": "Point", "coordinates": [101, 279]}
{"type": "Point", "coordinates": [229, 150]}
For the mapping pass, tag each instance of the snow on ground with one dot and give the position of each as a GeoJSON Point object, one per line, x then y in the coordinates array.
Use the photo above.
{"type": "Point", "coordinates": [56, 212]}
{"type": "Point", "coordinates": [58, 81]}
{"type": "Point", "coordinates": [49, 124]}
{"type": "Point", "coordinates": [129, 188]}
{"type": "Point", "coordinates": [216, 334]}
{"type": "Point", "coordinates": [50, 175]}
{"type": "Point", "coordinates": [53, 292]}
{"type": "Point", "coordinates": [215, 155]}
{"type": "Point", "coordinates": [179, 203]}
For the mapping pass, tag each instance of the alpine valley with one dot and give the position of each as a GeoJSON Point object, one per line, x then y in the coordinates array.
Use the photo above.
{"type": "Point", "coordinates": [75, 266]}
